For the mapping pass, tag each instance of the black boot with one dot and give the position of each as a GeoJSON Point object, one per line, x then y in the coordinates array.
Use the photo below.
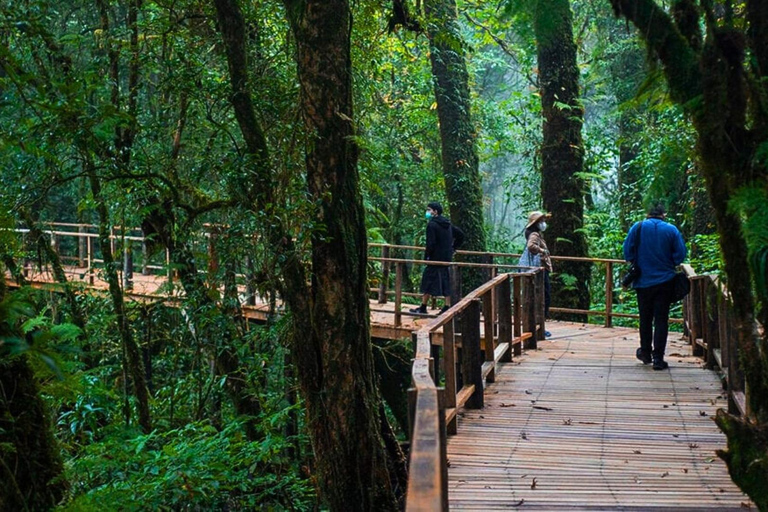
{"type": "Point", "coordinates": [421, 310]}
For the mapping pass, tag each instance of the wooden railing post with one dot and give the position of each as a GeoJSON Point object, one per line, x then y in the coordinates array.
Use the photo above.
{"type": "Point", "coordinates": [398, 293]}
{"type": "Point", "coordinates": [711, 331]}
{"type": "Point", "coordinates": [608, 294]}
{"type": "Point", "coordinates": [213, 254]}
{"type": "Point", "coordinates": [696, 317]}
{"type": "Point", "coordinates": [449, 368]}
{"type": "Point", "coordinates": [384, 275]}
{"type": "Point", "coordinates": [517, 303]}
{"type": "Point", "coordinates": [472, 366]}
{"type": "Point", "coordinates": [82, 242]}
{"type": "Point", "coordinates": [529, 310]}
{"type": "Point", "coordinates": [55, 242]}
{"type": "Point", "coordinates": [455, 273]}
{"type": "Point", "coordinates": [540, 298]}
{"type": "Point", "coordinates": [504, 307]}
{"type": "Point", "coordinates": [127, 266]}
{"type": "Point", "coordinates": [488, 328]}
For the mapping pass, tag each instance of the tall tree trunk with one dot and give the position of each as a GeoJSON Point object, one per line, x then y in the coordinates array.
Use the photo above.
{"type": "Point", "coordinates": [30, 464]}
{"type": "Point", "coordinates": [334, 358]}
{"type": "Point", "coordinates": [131, 348]}
{"type": "Point", "coordinates": [562, 150]}
{"type": "Point", "coordinates": [457, 132]}
{"type": "Point", "coordinates": [332, 347]}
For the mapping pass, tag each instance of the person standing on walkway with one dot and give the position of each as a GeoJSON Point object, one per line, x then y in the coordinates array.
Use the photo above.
{"type": "Point", "coordinates": [443, 238]}
{"type": "Point", "coordinates": [657, 252]}
{"type": "Point", "coordinates": [536, 246]}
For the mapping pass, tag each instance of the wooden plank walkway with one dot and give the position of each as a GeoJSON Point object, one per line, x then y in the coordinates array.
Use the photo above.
{"type": "Point", "coordinates": [580, 424]}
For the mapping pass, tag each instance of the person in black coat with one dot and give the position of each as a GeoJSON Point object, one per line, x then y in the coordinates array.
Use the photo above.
{"type": "Point", "coordinates": [443, 238]}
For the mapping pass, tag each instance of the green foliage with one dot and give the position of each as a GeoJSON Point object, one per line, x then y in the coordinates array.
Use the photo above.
{"type": "Point", "coordinates": [194, 467]}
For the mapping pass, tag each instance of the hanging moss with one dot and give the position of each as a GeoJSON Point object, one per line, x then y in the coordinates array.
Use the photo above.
{"type": "Point", "coordinates": [747, 456]}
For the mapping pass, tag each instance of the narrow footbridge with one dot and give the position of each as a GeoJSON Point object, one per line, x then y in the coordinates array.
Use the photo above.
{"type": "Point", "coordinates": [503, 417]}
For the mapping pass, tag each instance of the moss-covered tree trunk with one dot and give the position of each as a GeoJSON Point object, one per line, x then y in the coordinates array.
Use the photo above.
{"type": "Point", "coordinates": [30, 464]}
{"type": "Point", "coordinates": [334, 359]}
{"type": "Point", "coordinates": [562, 151]}
{"type": "Point", "coordinates": [724, 93]}
{"type": "Point", "coordinates": [332, 346]}
{"type": "Point", "coordinates": [457, 132]}
{"type": "Point", "coordinates": [131, 348]}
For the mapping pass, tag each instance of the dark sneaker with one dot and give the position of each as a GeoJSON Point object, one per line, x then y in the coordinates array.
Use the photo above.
{"type": "Point", "coordinates": [421, 310]}
{"type": "Point", "coordinates": [642, 355]}
{"type": "Point", "coordinates": [660, 364]}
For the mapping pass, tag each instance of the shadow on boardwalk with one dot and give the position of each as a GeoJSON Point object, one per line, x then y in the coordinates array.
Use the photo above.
{"type": "Point", "coordinates": [582, 424]}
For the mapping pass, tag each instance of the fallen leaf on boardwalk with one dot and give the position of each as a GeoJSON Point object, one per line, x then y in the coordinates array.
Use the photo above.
{"type": "Point", "coordinates": [533, 484]}
{"type": "Point", "coordinates": [721, 490]}
{"type": "Point", "coordinates": [666, 473]}
{"type": "Point", "coordinates": [523, 476]}
{"type": "Point", "coordinates": [567, 422]}
{"type": "Point", "coordinates": [588, 423]}
{"type": "Point", "coordinates": [542, 408]}
{"type": "Point", "coordinates": [482, 417]}
{"type": "Point", "coordinates": [666, 406]}
{"type": "Point", "coordinates": [713, 401]}
{"type": "Point", "coordinates": [506, 405]}
{"type": "Point", "coordinates": [487, 487]}
{"type": "Point", "coordinates": [745, 505]}
{"type": "Point", "coordinates": [528, 392]}
{"type": "Point", "coordinates": [637, 452]}
{"type": "Point", "coordinates": [693, 445]}
{"type": "Point", "coordinates": [675, 354]}
{"type": "Point", "coordinates": [702, 413]}
{"type": "Point", "coordinates": [685, 470]}
{"type": "Point", "coordinates": [524, 435]}
{"type": "Point", "coordinates": [709, 459]}
{"type": "Point", "coordinates": [638, 481]}
{"type": "Point", "coordinates": [675, 435]}
{"type": "Point", "coordinates": [517, 504]}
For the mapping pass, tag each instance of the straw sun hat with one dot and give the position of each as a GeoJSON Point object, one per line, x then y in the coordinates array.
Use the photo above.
{"type": "Point", "coordinates": [535, 217]}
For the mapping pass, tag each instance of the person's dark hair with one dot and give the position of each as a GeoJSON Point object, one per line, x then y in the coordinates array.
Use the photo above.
{"type": "Point", "coordinates": [657, 210]}
{"type": "Point", "coordinates": [532, 229]}
{"type": "Point", "coordinates": [436, 206]}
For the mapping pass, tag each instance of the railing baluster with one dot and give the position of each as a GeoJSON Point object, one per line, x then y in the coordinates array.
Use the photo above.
{"type": "Point", "coordinates": [608, 294]}
{"type": "Point", "coordinates": [449, 369]}
{"type": "Point", "coordinates": [504, 312]}
{"type": "Point", "coordinates": [488, 327]}
{"type": "Point", "coordinates": [384, 275]}
{"type": "Point", "coordinates": [398, 293]}
{"type": "Point", "coordinates": [472, 366]}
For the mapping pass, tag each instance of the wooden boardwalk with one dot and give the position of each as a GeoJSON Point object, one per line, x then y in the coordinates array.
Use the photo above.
{"type": "Point", "coordinates": [581, 424]}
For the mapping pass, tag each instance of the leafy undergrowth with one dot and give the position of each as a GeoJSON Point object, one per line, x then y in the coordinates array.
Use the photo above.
{"type": "Point", "coordinates": [191, 468]}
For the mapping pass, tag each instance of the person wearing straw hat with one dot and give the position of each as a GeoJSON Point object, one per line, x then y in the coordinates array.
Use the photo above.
{"type": "Point", "coordinates": [443, 238]}
{"type": "Point", "coordinates": [536, 246]}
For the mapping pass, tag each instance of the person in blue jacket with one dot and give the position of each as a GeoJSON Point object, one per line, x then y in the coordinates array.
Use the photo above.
{"type": "Point", "coordinates": [661, 250]}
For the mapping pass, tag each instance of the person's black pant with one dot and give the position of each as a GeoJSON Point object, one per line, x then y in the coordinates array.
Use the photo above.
{"type": "Point", "coordinates": [654, 303]}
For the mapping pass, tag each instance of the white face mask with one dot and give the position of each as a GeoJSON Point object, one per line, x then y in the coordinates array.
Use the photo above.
{"type": "Point", "coordinates": [543, 226]}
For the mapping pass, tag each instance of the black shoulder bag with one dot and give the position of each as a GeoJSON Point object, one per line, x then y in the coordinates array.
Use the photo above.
{"type": "Point", "coordinates": [634, 270]}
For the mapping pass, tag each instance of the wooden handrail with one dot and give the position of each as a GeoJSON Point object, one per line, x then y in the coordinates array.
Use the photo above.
{"type": "Point", "coordinates": [707, 316]}
{"type": "Point", "coordinates": [433, 419]}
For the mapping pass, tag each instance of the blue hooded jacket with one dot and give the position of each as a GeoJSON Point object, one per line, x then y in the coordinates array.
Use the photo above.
{"type": "Point", "coordinates": [661, 250]}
